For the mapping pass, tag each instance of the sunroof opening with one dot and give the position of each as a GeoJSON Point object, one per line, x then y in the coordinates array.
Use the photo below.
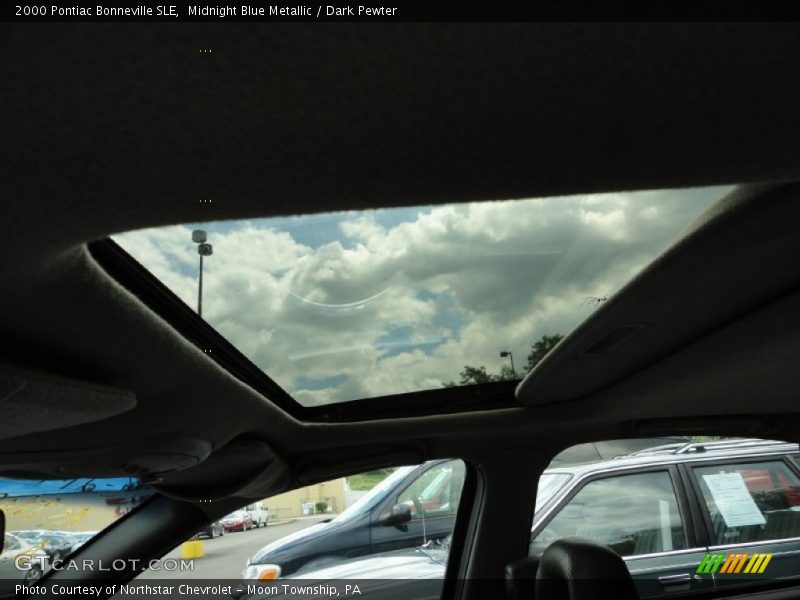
{"type": "Point", "coordinates": [352, 305]}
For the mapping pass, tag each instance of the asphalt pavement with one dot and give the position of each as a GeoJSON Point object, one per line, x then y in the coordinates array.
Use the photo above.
{"type": "Point", "coordinates": [226, 556]}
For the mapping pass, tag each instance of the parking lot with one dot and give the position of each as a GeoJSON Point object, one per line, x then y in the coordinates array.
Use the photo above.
{"type": "Point", "coordinates": [225, 556]}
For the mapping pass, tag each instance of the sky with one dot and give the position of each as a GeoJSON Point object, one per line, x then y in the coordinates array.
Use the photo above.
{"type": "Point", "coordinates": [350, 305]}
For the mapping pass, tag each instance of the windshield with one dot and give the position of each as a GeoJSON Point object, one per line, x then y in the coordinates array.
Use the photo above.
{"type": "Point", "coordinates": [375, 495]}
{"type": "Point", "coordinates": [549, 484]}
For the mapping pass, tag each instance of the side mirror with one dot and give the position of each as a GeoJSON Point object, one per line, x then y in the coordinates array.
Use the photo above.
{"type": "Point", "coordinates": [400, 514]}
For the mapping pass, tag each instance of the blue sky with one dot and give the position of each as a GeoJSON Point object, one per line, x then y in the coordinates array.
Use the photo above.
{"type": "Point", "coordinates": [320, 229]}
{"type": "Point", "coordinates": [350, 305]}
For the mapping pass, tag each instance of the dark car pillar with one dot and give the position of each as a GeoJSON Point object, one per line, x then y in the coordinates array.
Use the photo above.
{"type": "Point", "coordinates": [501, 520]}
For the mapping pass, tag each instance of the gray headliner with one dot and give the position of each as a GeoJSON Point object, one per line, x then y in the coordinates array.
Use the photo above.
{"type": "Point", "coordinates": [136, 135]}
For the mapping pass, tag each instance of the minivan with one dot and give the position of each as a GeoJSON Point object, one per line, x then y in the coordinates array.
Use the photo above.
{"type": "Point", "coordinates": [259, 513]}
{"type": "Point", "coordinates": [412, 505]}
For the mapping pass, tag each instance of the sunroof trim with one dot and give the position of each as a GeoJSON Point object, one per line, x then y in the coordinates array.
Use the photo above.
{"type": "Point", "coordinates": [132, 275]}
{"type": "Point", "coordinates": [347, 306]}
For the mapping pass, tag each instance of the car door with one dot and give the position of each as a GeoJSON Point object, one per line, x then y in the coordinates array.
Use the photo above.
{"type": "Point", "coordinates": [752, 511]}
{"type": "Point", "coordinates": [643, 516]}
{"type": "Point", "coordinates": [432, 496]}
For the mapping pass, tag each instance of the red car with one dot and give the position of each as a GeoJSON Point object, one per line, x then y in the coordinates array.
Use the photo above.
{"type": "Point", "coordinates": [238, 520]}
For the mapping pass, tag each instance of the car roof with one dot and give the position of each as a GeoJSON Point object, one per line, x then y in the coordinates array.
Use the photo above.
{"type": "Point", "coordinates": [686, 452]}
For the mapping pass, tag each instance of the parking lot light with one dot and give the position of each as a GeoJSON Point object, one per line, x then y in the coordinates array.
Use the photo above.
{"type": "Point", "coordinates": [199, 237]}
{"type": "Point", "coordinates": [507, 353]}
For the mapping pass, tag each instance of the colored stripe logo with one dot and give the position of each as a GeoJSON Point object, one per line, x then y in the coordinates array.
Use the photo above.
{"type": "Point", "coordinates": [733, 563]}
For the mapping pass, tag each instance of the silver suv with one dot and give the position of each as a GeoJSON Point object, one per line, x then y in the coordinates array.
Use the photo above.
{"type": "Point", "coordinates": [675, 513]}
{"type": "Point", "coordinates": [665, 508]}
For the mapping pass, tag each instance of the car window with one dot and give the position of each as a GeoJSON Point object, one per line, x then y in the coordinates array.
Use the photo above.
{"type": "Point", "coordinates": [632, 514]}
{"type": "Point", "coordinates": [349, 528]}
{"type": "Point", "coordinates": [549, 484]}
{"type": "Point", "coordinates": [436, 491]}
{"type": "Point", "coordinates": [11, 543]}
{"type": "Point", "coordinates": [52, 513]}
{"type": "Point", "coordinates": [376, 492]}
{"type": "Point", "coordinates": [751, 501]}
{"type": "Point", "coordinates": [49, 520]}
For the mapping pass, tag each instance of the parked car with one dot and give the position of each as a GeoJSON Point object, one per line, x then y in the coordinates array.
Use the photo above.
{"type": "Point", "coordinates": [81, 537]}
{"type": "Point", "coordinates": [28, 535]}
{"type": "Point", "coordinates": [238, 520]}
{"type": "Point", "coordinates": [739, 492]}
{"type": "Point", "coordinates": [259, 513]}
{"type": "Point", "coordinates": [390, 516]}
{"type": "Point", "coordinates": [594, 451]}
{"type": "Point", "coordinates": [56, 544]}
{"type": "Point", "coordinates": [212, 530]}
{"type": "Point", "coordinates": [397, 575]}
{"type": "Point", "coordinates": [647, 507]}
{"type": "Point", "coordinates": [10, 575]}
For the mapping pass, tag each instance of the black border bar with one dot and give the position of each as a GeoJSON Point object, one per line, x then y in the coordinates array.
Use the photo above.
{"type": "Point", "coordinates": [225, 11]}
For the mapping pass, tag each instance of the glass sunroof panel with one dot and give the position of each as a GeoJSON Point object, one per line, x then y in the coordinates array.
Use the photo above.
{"type": "Point", "coordinates": [352, 305]}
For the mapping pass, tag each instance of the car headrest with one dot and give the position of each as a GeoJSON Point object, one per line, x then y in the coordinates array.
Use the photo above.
{"type": "Point", "coordinates": [578, 569]}
{"type": "Point", "coordinates": [521, 578]}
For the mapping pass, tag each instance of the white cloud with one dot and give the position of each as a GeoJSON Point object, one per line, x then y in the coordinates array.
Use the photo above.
{"type": "Point", "coordinates": [362, 228]}
{"type": "Point", "coordinates": [379, 305]}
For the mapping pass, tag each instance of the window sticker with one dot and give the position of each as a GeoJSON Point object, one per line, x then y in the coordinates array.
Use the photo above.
{"type": "Point", "coordinates": [733, 500]}
{"type": "Point", "coordinates": [666, 525]}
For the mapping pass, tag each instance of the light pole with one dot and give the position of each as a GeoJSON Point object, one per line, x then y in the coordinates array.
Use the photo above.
{"type": "Point", "coordinates": [507, 353]}
{"type": "Point", "coordinates": [199, 237]}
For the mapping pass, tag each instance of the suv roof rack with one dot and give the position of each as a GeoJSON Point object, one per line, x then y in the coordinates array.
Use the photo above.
{"type": "Point", "coordinates": [709, 446]}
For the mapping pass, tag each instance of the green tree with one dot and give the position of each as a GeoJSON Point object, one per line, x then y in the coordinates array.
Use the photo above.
{"type": "Point", "coordinates": [369, 479]}
{"type": "Point", "coordinates": [471, 375]}
{"type": "Point", "coordinates": [474, 375]}
{"type": "Point", "coordinates": [541, 348]}
{"type": "Point", "coordinates": [506, 374]}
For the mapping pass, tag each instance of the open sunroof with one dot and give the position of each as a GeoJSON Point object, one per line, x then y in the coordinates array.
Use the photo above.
{"type": "Point", "coordinates": [352, 305]}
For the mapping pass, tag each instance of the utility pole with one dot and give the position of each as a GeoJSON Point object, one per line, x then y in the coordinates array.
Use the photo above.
{"type": "Point", "coordinates": [199, 237]}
